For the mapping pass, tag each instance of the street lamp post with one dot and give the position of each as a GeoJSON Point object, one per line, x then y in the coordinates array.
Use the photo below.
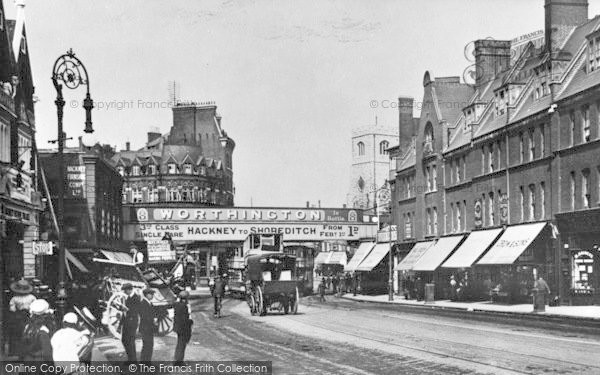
{"type": "Point", "coordinates": [68, 70]}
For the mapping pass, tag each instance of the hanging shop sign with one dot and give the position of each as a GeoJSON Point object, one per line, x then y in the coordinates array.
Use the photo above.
{"type": "Point", "coordinates": [503, 209]}
{"type": "Point", "coordinates": [239, 232]}
{"type": "Point", "coordinates": [76, 181]}
{"type": "Point", "coordinates": [388, 234]}
{"type": "Point", "coordinates": [42, 247]}
{"type": "Point", "coordinates": [478, 214]}
{"type": "Point", "coordinates": [246, 214]}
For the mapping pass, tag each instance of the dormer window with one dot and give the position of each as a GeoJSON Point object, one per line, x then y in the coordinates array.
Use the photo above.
{"type": "Point", "coordinates": [152, 169]}
{"type": "Point", "coordinates": [135, 170]}
{"type": "Point", "coordinates": [202, 170]}
{"type": "Point", "coordinates": [593, 53]}
{"type": "Point", "coordinates": [121, 170]}
{"type": "Point", "coordinates": [187, 168]}
{"type": "Point", "coordinates": [172, 168]}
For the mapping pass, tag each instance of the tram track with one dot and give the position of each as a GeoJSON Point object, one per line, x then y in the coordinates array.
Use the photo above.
{"type": "Point", "coordinates": [527, 363]}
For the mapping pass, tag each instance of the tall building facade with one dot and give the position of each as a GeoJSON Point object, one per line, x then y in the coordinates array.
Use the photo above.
{"type": "Point", "coordinates": [191, 165]}
{"type": "Point", "coordinates": [517, 151]}
{"type": "Point", "coordinates": [370, 163]}
{"type": "Point", "coordinates": [20, 201]}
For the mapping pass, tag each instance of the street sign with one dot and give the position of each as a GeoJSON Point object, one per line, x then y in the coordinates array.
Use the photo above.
{"type": "Point", "coordinates": [160, 251]}
{"type": "Point", "coordinates": [42, 248]}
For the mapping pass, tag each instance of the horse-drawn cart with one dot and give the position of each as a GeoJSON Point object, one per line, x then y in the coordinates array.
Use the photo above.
{"type": "Point", "coordinates": [271, 283]}
{"type": "Point", "coordinates": [118, 270]}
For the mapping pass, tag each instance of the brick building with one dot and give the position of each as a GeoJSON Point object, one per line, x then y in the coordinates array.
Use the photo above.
{"type": "Point", "coordinates": [92, 218]}
{"type": "Point", "coordinates": [511, 160]}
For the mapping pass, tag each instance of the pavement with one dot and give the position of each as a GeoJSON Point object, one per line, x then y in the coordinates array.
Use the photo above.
{"type": "Point", "coordinates": [575, 312]}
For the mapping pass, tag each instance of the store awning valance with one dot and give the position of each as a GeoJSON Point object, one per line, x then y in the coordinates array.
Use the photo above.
{"type": "Point", "coordinates": [475, 245]}
{"type": "Point", "coordinates": [360, 254]}
{"type": "Point", "coordinates": [375, 256]}
{"type": "Point", "coordinates": [513, 242]}
{"type": "Point", "coordinates": [415, 254]}
{"type": "Point", "coordinates": [436, 254]}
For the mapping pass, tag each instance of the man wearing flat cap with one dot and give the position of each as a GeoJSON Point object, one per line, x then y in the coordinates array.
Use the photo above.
{"type": "Point", "coordinates": [130, 321]}
{"type": "Point", "coordinates": [147, 324]}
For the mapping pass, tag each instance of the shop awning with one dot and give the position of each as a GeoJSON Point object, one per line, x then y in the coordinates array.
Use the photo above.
{"type": "Point", "coordinates": [472, 248]}
{"type": "Point", "coordinates": [360, 254]}
{"type": "Point", "coordinates": [73, 260]}
{"type": "Point", "coordinates": [513, 242]}
{"type": "Point", "coordinates": [436, 254]}
{"type": "Point", "coordinates": [114, 256]}
{"type": "Point", "coordinates": [375, 256]}
{"type": "Point", "coordinates": [337, 257]}
{"type": "Point", "coordinates": [321, 258]}
{"type": "Point", "coordinates": [415, 254]}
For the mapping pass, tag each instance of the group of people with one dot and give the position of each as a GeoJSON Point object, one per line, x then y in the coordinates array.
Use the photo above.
{"type": "Point", "coordinates": [139, 316]}
{"type": "Point", "coordinates": [35, 335]}
{"type": "Point", "coordinates": [338, 283]}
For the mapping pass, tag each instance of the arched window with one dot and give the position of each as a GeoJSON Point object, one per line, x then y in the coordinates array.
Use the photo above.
{"type": "Point", "coordinates": [383, 146]}
{"type": "Point", "coordinates": [428, 139]}
{"type": "Point", "coordinates": [361, 148]}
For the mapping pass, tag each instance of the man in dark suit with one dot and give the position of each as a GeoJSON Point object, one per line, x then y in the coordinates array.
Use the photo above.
{"type": "Point", "coordinates": [130, 321]}
{"type": "Point", "coordinates": [146, 312]}
{"type": "Point", "coordinates": [182, 325]}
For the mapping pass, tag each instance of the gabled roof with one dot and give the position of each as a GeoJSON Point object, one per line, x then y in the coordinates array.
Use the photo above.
{"type": "Point", "coordinates": [409, 159]}
{"type": "Point", "coordinates": [201, 161]}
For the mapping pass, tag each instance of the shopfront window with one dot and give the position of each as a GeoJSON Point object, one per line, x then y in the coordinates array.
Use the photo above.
{"type": "Point", "coordinates": [583, 268]}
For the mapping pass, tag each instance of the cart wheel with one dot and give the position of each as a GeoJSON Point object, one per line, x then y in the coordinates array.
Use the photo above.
{"type": "Point", "coordinates": [252, 304]}
{"type": "Point", "coordinates": [114, 311]}
{"type": "Point", "coordinates": [165, 322]}
{"type": "Point", "coordinates": [262, 309]}
{"type": "Point", "coordinates": [296, 302]}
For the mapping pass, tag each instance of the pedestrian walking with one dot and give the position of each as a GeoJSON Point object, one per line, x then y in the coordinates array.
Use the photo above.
{"type": "Point", "coordinates": [218, 294]}
{"type": "Point", "coordinates": [453, 294]}
{"type": "Point", "coordinates": [322, 291]}
{"type": "Point", "coordinates": [334, 282]}
{"type": "Point", "coordinates": [542, 287]}
{"type": "Point", "coordinates": [71, 346]}
{"type": "Point", "coordinates": [19, 313]}
{"type": "Point", "coordinates": [130, 321]}
{"type": "Point", "coordinates": [38, 331]}
{"type": "Point", "coordinates": [182, 325]}
{"type": "Point", "coordinates": [147, 324]}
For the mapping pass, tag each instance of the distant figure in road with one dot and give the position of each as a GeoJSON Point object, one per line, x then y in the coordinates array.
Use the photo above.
{"type": "Point", "coordinates": [322, 291]}
{"type": "Point", "coordinates": [219, 293]}
{"type": "Point", "coordinates": [182, 325]}
{"type": "Point", "coordinates": [542, 287]}
{"type": "Point", "coordinates": [147, 319]}
{"type": "Point", "coordinates": [348, 282]}
{"type": "Point", "coordinates": [453, 295]}
{"type": "Point", "coordinates": [130, 321]}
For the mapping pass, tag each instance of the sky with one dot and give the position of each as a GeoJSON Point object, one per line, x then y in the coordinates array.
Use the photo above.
{"type": "Point", "coordinates": [291, 78]}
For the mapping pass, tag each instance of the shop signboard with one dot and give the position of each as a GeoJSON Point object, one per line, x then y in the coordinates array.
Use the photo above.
{"type": "Point", "coordinates": [160, 251]}
{"type": "Point", "coordinates": [76, 181]}
{"type": "Point", "coordinates": [240, 214]}
{"type": "Point", "coordinates": [388, 234]}
{"type": "Point", "coordinates": [42, 247]}
{"type": "Point", "coordinates": [216, 231]}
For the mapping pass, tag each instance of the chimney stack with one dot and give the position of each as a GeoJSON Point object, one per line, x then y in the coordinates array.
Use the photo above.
{"type": "Point", "coordinates": [406, 122]}
{"type": "Point", "coordinates": [562, 16]}
{"type": "Point", "coordinates": [491, 57]}
{"type": "Point", "coordinates": [127, 146]}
